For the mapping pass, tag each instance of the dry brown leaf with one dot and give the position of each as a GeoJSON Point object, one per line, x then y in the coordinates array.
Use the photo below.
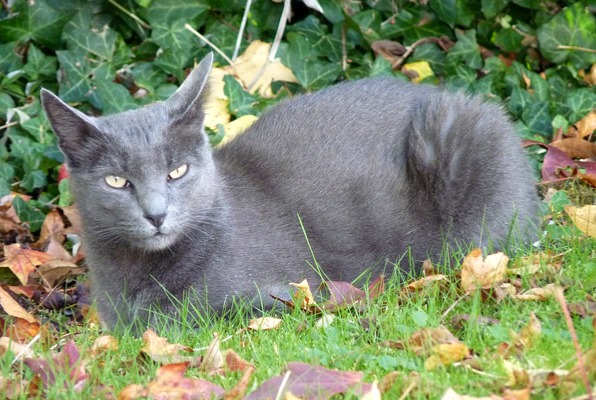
{"type": "Point", "coordinates": [584, 218]}
{"type": "Point", "coordinates": [585, 126]}
{"type": "Point", "coordinates": [264, 323]}
{"type": "Point", "coordinates": [539, 294]}
{"type": "Point", "coordinates": [303, 295]}
{"type": "Point", "coordinates": [254, 61]}
{"type": "Point", "coordinates": [56, 251]}
{"type": "Point", "coordinates": [517, 394]}
{"type": "Point", "coordinates": [12, 308]}
{"type": "Point", "coordinates": [423, 341]}
{"type": "Point", "coordinates": [590, 179]}
{"type": "Point", "coordinates": [483, 273]}
{"type": "Point", "coordinates": [22, 261]}
{"type": "Point", "coordinates": [446, 354]}
{"type": "Point", "coordinates": [159, 350]}
{"type": "Point", "coordinates": [530, 333]}
{"type": "Point", "coordinates": [103, 344]}
{"type": "Point", "coordinates": [213, 359]}
{"type": "Point", "coordinates": [239, 390]}
{"type": "Point", "coordinates": [424, 282]}
{"type": "Point", "coordinates": [388, 49]}
{"type": "Point", "coordinates": [576, 147]}
{"type": "Point", "coordinates": [171, 384]}
{"type": "Point", "coordinates": [7, 344]}
{"type": "Point", "coordinates": [216, 105]}
{"type": "Point", "coordinates": [52, 227]}
{"type": "Point", "coordinates": [518, 377]}
{"type": "Point", "coordinates": [236, 363]}
{"type": "Point", "coordinates": [55, 271]}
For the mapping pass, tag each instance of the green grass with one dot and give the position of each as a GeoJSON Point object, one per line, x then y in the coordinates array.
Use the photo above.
{"type": "Point", "coordinates": [350, 344]}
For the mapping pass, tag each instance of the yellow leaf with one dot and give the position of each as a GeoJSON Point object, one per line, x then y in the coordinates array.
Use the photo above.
{"type": "Point", "coordinates": [236, 127]}
{"type": "Point", "coordinates": [12, 308]}
{"type": "Point", "coordinates": [159, 350]}
{"type": "Point", "coordinates": [418, 70]}
{"type": "Point", "coordinates": [303, 294]}
{"type": "Point", "coordinates": [216, 105]}
{"type": "Point", "coordinates": [584, 218]}
{"type": "Point", "coordinates": [264, 323]}
{"type": "Point", "coordinates": [256, 72]}
{"type": "Point", "coordinates": [478, 273]}
{"type": "Point", "coordinates": [530, 333]}
{"type": "Point", "coordinates": [446, 354]}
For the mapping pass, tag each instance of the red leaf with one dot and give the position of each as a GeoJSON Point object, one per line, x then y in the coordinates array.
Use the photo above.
{"type": "Point", "coordinates": [558, 165]}
{"type": "Point", "coordinates": [64, 363]}
{"type": "Point", "coordinates": [310, 382]}
{"type": "Point", "coordinates": [342, 294]}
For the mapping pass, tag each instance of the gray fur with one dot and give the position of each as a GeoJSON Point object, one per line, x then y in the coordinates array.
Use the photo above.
{"type": "Point", "coordinates": [374, 169]}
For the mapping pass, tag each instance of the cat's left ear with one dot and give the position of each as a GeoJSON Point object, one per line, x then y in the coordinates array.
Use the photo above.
{"type": "Point", "coordinates": [186, 102]}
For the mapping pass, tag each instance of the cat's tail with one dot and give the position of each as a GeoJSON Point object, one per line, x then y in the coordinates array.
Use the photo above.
{"type": "Point", "coordinates": [465, 160]}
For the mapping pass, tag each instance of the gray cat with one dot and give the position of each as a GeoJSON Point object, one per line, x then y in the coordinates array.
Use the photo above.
{"type": "Point", "coordinates": [358, 175]}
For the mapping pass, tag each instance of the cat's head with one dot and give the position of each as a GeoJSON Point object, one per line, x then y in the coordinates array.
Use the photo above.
{"type": "Point", "coordinates": [140, 177]}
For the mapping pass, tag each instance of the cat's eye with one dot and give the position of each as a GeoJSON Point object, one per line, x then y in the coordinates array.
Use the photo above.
{"type": "Point", "coordinates": [178, 172]}
{"type": "Point", "coordinates": [117, 181]}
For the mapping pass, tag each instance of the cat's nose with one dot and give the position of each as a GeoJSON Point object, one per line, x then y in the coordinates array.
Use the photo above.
{"type": "Point", "coordinates": [156, 219]}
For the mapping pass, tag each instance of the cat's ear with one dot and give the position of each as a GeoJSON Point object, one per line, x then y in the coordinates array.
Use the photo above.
{"type": "Point", "coordinates": [72, 127]}
{"type": "Point", "coordinates": [186, 102]}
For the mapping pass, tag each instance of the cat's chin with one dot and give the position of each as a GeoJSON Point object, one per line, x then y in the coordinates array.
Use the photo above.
{"type": "Point", "coordinates": [157, 242]}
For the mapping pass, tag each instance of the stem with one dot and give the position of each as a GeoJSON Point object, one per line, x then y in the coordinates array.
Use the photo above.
{"type": "Point", "coordinates": [563, 47]}
{"type": "Point", "coordinates": [214, 47]}
{"type": "Point", "coordinates": [241, 32]}
{"type": "Point", "coordinates": [130, 14]}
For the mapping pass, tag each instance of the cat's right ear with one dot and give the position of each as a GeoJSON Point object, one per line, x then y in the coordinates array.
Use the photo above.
{"type": "Point", "coordinates": [70, 125]}
{"type": "Point", "coordinates": [186, 102]}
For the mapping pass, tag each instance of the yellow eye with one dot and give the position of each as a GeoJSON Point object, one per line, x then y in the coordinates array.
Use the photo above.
{"type": "Point", "coordinates": [116, 181]}
{"type": "Point", "coordinates": [178, 172]}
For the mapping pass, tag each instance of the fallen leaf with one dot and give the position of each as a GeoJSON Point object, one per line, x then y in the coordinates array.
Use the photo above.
{"type": "Point", "coordinates": [103, 344]}
{"type": "Point", "coordinates": [540, 293]}
{"type": "Point", "coordinates": [517, 375]}
{"type": "Point", "coordinates": [483, 273]}
{"type": "Point", "coordinates": [303, 295]}
{"type": "Point", "coordinates": [584, 218]}
{"type": "Point", "coordinates": [307, 381]}
{"type": "Point", "coordinates": [22, 331]}
{"type": "Point", "coordinates": [7, 344]}
{"type": "Point", "coordinates": [584, 308]}
{"type": "Point", "coordinates": [12, 308]}
{"type": "Point", "coordinates": [373, 394]}
{"type": "Point", "coordinates": [264, 323]}
{"type": "Point", "coordinates": [388, 49]}
{"type": "Point", "coordinates": [576, 147]}
{"type": "Point", "coordinates": [557, 165]}
{"type": "Point", "coordinates": [56, 271]}
{"type": "Point", "coordinates": [424, 283]}
{"type": "Point", "coordinates": [159, 350]}
{"type": "Point", "coordinates": [325, 321]}
{"type": "Point", "coordinates": [52, 228]}
{"type": "Point", "coordinates": [236, 363]}
{"type": "Point", "coordinates": [446, 354]}
{"type": "Point", "coordinates": [22, 261]}
{"type": "Point", "coordinates": [170, 383]}
{"type": "Point", "coordinates": [239, 390]}
{"type": "Point", "coordinates": [213, 359]}
{"type": "Point", "coordinates": [585, 126]}
{"type": "Point", "coordinates": [66, 363]}
{"type": "Point", "coordinates": [236, 128]}
{"type": "Point", "coordinates": [343, 294]}
{"type": "Point", "coordinates": [417, 70]}
{"type": "Point", "coordinates": [423, 341]}
{"type": "Point", "coordinates": [516, 394]}
{"type": "Point", "coordinates": [216, 104]}
{"type": "Point", "coordinates": [529, 334]}
{"type": "Point", "coordinates": [256, 72]}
